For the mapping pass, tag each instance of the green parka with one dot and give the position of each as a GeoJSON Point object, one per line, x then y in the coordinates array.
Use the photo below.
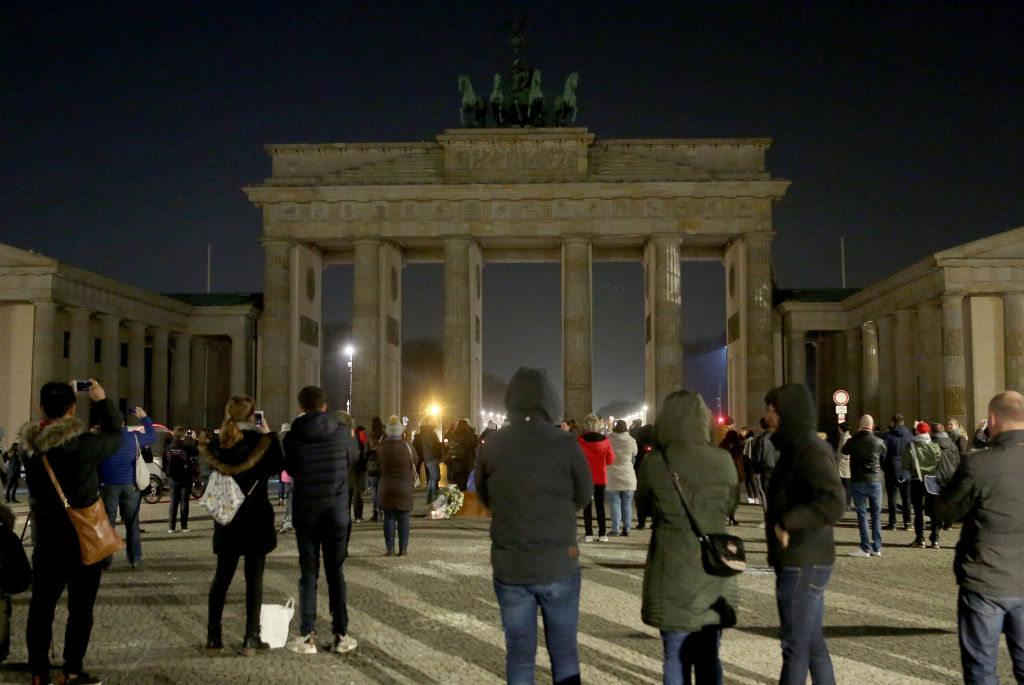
{"type": "Point", "coordinates": [678, 595]}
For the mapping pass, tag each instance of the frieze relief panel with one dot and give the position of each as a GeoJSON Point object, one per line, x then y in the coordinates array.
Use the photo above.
{"type": "Point", "coordinates": [513, 159]}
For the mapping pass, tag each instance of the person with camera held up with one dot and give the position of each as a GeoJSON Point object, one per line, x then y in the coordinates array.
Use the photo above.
{"type": "Point", "coordinates": [118, 488]}
{"type": "Point", "coordinates": [182, 472]}
{"type": "Point", "coordinates": [73, 453]}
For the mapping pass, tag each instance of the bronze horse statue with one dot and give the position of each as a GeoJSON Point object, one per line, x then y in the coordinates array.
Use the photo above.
{"type": "Point", "coordinates": [472, 105]}
{"type": "Point", "coordinates": [565, 104]}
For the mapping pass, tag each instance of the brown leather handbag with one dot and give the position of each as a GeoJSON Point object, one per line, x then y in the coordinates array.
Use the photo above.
{"type": "Point", "coordinates": [96, 537]}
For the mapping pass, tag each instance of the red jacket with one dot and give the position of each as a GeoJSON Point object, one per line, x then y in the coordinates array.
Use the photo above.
{"type": "Point", "coordinates": [599, 453]}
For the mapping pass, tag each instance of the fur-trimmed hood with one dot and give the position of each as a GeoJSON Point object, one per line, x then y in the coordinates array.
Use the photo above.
{"type": "Point", "coordinates": [234, 469]}
{"type": "Point", "coordinates": [39, 439]}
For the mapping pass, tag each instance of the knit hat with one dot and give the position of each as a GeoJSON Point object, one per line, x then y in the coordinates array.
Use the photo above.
{"type": "Point", "coordinates": [922, 428]}
{"type": "Point", "coordinates": [394, 426]}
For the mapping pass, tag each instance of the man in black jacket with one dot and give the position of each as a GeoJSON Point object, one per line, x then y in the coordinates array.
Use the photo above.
{"type": "Point", "coordinates": [73, 453]}
{"type": "Point", "coordinates": [805, 499]}
{"type": "Point", "coordinates": [317, 451]}
{"type": "Point", "coordinates": [533, 527]}
{"type": "Point", "coordinates": [866, 451]}
{"type": "Point", "coordinates": [987, 494]}
{"type": "Point", "coordinates": [897, 480]}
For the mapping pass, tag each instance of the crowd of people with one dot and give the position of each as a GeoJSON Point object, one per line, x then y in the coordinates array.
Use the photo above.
{"type": "Point", "coordinates": [684, 472]}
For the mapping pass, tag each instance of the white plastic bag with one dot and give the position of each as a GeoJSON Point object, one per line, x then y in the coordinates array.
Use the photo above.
{"type": "Point", "coordinates": [274, 622]}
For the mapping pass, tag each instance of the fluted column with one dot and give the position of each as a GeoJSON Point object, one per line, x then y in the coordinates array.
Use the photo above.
{"type": "Point", "coordinates": [110, 354]}
{"type": "Point", "coordinates": [275, 324]}
{"type": "Point", "coordinates": [577, 327]}
{"type": "Point", "coordinates": [458, 329]}
{"type": "Point", "coordinates": [759, 335]}
{"type": "Point", "coordinates": [182, 379]}
{"type": "Point", "coordinates": [928, 343]}
{"type": "Point", "coordinates": [664, 351]}
{"type": "Point", "coordinates": [366, 327]}
{"type": "Point", "coordinates": [158, 378]}
{"type": "Point", "coordinates": [869, 371]}
{"type": "Point", "coordinates": [886, 368]}
{"type": "Point", "coordinates": [853, 339]}
{"type": "Point", "coordinates": [954, 375]}
{"type": "Point", "coordinates": [80, 361]}
{"type": "Point", "coordinates": [137, 364]}
{"type": "Point", "coordinates": [44, 348]}
{"type": "Point", "coordinates": [1013, 340]}
{"type": "Point", "coordinates": [239, 375]}
{"type": "Point", "coordinates": [796, 356]}
{"type": "Point", "coordinates": [906, 390]}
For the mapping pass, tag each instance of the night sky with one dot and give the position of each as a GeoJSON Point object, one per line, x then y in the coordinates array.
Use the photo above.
{"type": "Point", "coordinates": [128, 130]}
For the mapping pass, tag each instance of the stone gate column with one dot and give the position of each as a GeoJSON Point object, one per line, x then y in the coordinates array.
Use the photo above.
{"type": "Point", "coordinates": [366, 330]}
{"type": "Point", "coordinates": [886, 368]}
{"type": "Point", "coordinates": [954, 375]}
{"type": "Point", "coordinates": [182, 387]}
{"type": "Point", "coordinates": [577, 327]}
{"type": "Point", "coordinates": [903, 343]}
{"type": "Point", "coordinates": [80, 362]}
{"type": "Point", "coordinates": [928, 342]}
{"type": "Point", "coordinates": [110, 355]}
{"type": "Point", "coordinates": [664, 321]}
{"type": "Point", "coordinates": [853, 338]}
{"type": "Point", "coordinates": [158, 378]}
{"type": "Point", "coordinates": [869, 371]}
{"type": "Point", "coordinates": [44, 350]}
{"type": "Point", "coordinates": [460, 328]}
{"type": "Point", "coordinates": [276, 372]}
{"type": "Point", "coordinates": [759, 334]}
{"type": "Point", "coordinates": [1013, 340]}
{"type": "Point", "coordinates": [796, 353]}
{"type": "Point", "coordinates": [239, 369]}
{"type": "Point", "coordinates": [137, 365]}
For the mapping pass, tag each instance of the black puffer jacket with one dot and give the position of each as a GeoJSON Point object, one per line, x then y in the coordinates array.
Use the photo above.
{"type": "Point", "coordinates": [74, 454]}
{"type": "Point", "coordinates": [317, 454]}
{"type": "Point", "coordinates": [805, 495]}
{"type": "Point", "coordinates": [534, 478]}
{"type": "Point", "coordinates": [987, 494]}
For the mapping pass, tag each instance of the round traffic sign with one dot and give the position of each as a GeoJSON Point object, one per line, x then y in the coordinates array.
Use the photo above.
{"type": "Point", "coordinates": [840, 397]}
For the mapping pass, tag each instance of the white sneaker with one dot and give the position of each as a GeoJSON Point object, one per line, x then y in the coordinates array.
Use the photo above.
{"type": "Point", "coordinates": [170, 530]}
{"type": "Point", "coordinates": [303, 645]}
{"type": "Point", "coordinates": [603, 538]}
{"type": "Point", "coordinates": [186, 530]}
{"type": "Point", "coordinates": [858, 553]}
{"type": "Point", "coordinates": [343, 643]}
{"type": "Point", "coordinates": [588, 538]}
{"type": "Point", "coordinates": [876, 554]}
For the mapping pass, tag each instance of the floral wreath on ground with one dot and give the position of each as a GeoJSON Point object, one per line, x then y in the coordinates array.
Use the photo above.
{"type": "Point", "coordinates": [453, 500]}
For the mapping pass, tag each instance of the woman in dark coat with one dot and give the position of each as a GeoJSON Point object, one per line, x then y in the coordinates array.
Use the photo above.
{"type": "Point", "coordinates": [395, 490]}
{"type": "Point", "coordinates": [687, 605]}
{"type": "Point", "coordinates": [250, 454]}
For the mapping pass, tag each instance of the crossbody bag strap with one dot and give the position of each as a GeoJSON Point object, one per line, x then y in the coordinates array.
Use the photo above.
{"type": "Point", "coordinates": [53, 477]}
{"type": "Point", "coordinates": [682, 498]}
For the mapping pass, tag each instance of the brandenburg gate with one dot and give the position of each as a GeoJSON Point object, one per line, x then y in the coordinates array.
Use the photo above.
{"type": "Point", "coordinates": [525, 194]}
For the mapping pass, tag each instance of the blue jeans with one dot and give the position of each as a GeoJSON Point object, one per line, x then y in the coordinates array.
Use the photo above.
{"type": "Point", "coordinates": [864, 495]}
{"type": "Point", "coordinates": [621, 504]}
{"type": "Point", "coordinates": [692, 652]}
{"type": "Point", "coordinates": [981, 620]}
{"type": "Point", "coordinates": [180, 493]}
{"type": "Point", "coordinates": [559, 604]}
{"type": "Point", "coordinates": [127, 497]}
{"type": "Point", "coordinates": [330, 537]}
{"type": "Point", "coordinates": [433, 478]}
{"type": "Point", "coordinates": [372, 482]}
{"type": "Point", "coordinates": [800, 594]}
{"type": "Point", "coordinates": [392, 519]}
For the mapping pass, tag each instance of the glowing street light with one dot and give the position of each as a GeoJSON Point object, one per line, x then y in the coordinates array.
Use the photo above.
{"type": "Point", "coordinates": [349, 351]}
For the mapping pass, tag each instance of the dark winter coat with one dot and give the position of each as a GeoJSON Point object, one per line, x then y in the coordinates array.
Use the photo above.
{"type": "Point", "coordinates": [805, 495]}
{"type": "Point", "coordinates": [987, 494]}
{"type": "Point", "coordinates": [896, 439]}
{"type": "Point", "coordinates": [180, 467]}
{"type": "Point", "coordinates": [74, 454]}
{"type": "Point", "coordinates": [317, 451]}
{"type": "Point", "coordinates": [534, 478]}
{"type": "Point", "coordinates": [677, 594]}
{"type": "Point", "coordinates": [428, 446]}
{"type": "Point", "coordinates": [252, 530]}
{"type": "Point", "coordinates": [866, 452]}
{"type": "Point", "coordinates": [395, 488]}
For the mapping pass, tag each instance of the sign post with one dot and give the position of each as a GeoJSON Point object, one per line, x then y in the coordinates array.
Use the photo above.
{"type": "Point", "coordinates": [841, 399]}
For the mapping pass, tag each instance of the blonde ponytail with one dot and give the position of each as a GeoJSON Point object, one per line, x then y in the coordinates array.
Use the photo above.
{"type": "Point", "coordinates": [238, 408]}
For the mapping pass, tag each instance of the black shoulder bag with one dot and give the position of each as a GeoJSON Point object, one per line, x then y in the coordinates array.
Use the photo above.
{"type": "Point", "coordinates": [722, 554]}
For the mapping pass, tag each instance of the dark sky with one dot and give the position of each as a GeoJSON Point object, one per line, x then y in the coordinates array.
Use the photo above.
{"type": "Point", "coordinates": [128, 130]}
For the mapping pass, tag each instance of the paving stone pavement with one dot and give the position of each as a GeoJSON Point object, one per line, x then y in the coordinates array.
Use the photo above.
{"type": "Point", "coordinates": [432, 617]}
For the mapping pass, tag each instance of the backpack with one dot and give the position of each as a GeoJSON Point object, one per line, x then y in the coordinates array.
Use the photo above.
{"type": "Point", "coordinates": [763, 454]}
{"type": "Point", "coordinates": [948, 463]}
{"type": "Point", "coordinates": [456, 450]}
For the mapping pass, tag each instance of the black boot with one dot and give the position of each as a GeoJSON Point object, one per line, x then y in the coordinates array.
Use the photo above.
{"type": "Point", "coordinates": [253, 643]}
{"type": "Point", "coordinates": [213, 641]}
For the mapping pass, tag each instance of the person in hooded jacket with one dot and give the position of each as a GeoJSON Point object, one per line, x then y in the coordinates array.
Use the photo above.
{"type": "Point", "coordinates": [318, 450]}
{"type": "Point", "coordinates": [621, 478]}
{"type": "Point", "coordinates": [250, 454]}
{"type": "Point", "coordinates": [428, 446]}
{"type": "Point", "coordinates": [680, 599]}
{"type": "Point", "coordinates": [600, 455]}
{"type": "Point", "coordinates": [534, 553]}
{"type": "Point", "coordinates": [396, 488]}
{"type": "Point", "coordinates": [805, 499]}
{"type": "Point", "coordinates": [921, 458]}
{"type": "Point", "coordinates": [73, 453]}
{"type": "Point", "coordinates": [897, 480]}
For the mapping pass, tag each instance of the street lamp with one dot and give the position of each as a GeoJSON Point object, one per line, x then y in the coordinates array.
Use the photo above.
{"type": "Point", "coordinates": [349, 351]}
